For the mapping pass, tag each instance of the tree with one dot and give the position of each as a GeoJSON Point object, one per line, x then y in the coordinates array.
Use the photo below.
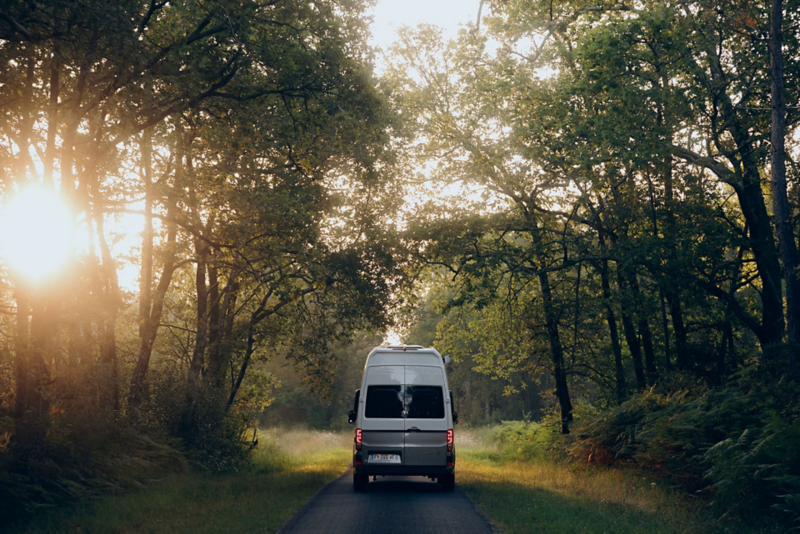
{"type": "Point", "coordinates": [248, 137]}
{"type": "Point", "coordinates": [624, 148]}
{"type": "Point", "coordinates": [780, 202]}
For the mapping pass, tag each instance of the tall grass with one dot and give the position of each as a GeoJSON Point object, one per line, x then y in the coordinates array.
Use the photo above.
{"type": "Point", "coordinates": [286, 469]}
{"type": "Point", "coordinates": [541, 494]}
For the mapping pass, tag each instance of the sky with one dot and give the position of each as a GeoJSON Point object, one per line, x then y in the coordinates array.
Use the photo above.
{"type": "Point", "coordinates": [389, 15]}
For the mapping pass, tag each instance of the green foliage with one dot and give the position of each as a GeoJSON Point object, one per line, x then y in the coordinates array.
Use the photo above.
{"type": "Point", "coordinates": [86, 461]}
{"type": "Point", "coordinates": [527, 441]}
{"type": "Point", "coordinates": [284, 471]}
{"type": "Point", "coordinates": [218, 442]}
{"type": "Point", "coordinates": [542, 495]}
{"type": "Point", "coordinates": [538, 440]}
{"type": "Point", "coordinates": [737, 445]}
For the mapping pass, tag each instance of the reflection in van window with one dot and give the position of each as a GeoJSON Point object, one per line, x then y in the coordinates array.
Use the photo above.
{"type": "Point", "coordinates": [384, 401]}
{"type": "Point", "coordinates": [425, 402]}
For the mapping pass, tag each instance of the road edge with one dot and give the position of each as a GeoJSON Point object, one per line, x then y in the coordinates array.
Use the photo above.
{"type": "Point", "coordinates": [303, 509]}
{"type": "Point", "coordinates": [478, 510]}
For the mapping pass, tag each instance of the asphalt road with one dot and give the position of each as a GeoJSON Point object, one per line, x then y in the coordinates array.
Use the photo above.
{"type": "Point", "coordinates": [391, 505]}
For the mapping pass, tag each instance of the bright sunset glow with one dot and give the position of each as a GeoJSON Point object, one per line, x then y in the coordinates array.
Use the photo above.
{"type": "Point", "coordinates": [35, 233]}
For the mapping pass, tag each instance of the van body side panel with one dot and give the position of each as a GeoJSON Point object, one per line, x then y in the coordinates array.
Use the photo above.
{"type": "Point", "coordinates": [426, 420]}
{"type": "Point", "coordinates": [381, 434]}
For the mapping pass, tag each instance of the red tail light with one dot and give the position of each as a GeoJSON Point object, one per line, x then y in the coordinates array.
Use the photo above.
{"type": "Point", "coordinates": [450, 439]}
{"type": "Point", "coordinates": [359, 438]}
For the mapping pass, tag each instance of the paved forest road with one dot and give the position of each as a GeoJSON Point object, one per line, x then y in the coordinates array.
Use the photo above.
{"type": "Point", "coordinates": [391, 505]}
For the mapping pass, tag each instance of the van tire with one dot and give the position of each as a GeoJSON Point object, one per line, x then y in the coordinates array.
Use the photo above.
{"type": "Point", "coordinates": [448, 483]}
{"type": "Point", "coordinates": [360, 482]}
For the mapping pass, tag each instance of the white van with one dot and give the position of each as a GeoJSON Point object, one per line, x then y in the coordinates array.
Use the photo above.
{"type": "Point", "coordinates": [404, 417]}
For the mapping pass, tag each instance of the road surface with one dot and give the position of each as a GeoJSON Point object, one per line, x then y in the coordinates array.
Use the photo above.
{"type": "Point", "coordinates": [391, 505]}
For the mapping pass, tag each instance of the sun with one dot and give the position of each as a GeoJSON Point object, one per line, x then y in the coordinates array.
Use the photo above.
{"type": "Point", "coordinates": [36, 230]}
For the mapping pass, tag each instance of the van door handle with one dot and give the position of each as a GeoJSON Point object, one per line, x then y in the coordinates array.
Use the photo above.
{"type": "Point", "coordinates": [413, 429]}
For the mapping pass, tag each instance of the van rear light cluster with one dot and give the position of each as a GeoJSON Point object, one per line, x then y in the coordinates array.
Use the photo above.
{"type": "Point", "coordinates": [359, 439]}
{"type": "Point", "coordinates": [450, 440]}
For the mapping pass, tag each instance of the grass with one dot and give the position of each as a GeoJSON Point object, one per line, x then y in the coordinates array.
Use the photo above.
{"type": "Point", "coordinates": [550, 497]}
{"type": "Point", "coordinates": [290, 466]}
{"type": "Point", "coordinates": [285, 471]}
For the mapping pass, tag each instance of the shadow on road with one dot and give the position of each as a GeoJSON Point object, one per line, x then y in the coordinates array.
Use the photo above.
{"type": "Point", "coordinates": [403, 485]}
{"type": "Point", "coordinates": [390, 505]}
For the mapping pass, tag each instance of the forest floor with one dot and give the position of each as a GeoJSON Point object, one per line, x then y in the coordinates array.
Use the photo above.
{"type": "Point", "coordinates": [289, 466]}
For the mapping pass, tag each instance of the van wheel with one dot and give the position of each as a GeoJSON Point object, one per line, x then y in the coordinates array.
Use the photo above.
{"type": "Point", "coordinates": [360, 482]}
{"type": "Point", "coordinates": [448, 483]}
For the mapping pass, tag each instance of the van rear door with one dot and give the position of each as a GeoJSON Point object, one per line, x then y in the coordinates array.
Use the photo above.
{"type": "Point", "coordinates": [383, 425]}
{"type": "Point", "coordinates": [426, 420]}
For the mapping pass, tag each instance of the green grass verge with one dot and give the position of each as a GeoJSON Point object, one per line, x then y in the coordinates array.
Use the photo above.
{"type": "Point", "coordinates": [286, 470]}
{"type": "Point", "coordinates": [550, 497]}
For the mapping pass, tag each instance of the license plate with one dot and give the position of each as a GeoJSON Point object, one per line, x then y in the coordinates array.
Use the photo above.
{"type": "Point", "coordinates": [385, 458]}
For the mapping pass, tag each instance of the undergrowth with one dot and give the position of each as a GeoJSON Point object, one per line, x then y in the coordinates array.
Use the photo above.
{"type": "Point", "coordinates": [87, 456]}
{"type": "Point", "coordinates": [279, 476]}
{"type": "Point", "coordinates": [737, 448]}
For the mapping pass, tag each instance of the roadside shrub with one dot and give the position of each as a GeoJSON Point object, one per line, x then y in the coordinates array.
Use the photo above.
{"type": "Point", "coordinates": [218, 443]}
{"type": "Point", "coordinates": [84, 461]}
{"type": "Point", "coordinates": [522, 440]}
{"type": "Point", "coordinates": [525, 440]}
{"type": "Point", "coordinates": [738, 446]}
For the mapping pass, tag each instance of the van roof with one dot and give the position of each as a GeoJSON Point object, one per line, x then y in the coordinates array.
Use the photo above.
{"type": "Point", "coordinates": [404, 355]}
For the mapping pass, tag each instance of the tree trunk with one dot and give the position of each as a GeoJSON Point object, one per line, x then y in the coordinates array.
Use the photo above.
{"type": "Point", "coordinates": [26, 167]}
{"type": "Point", "coordinates": [111, 304]}
{"type": "Point", "coordinates": [201, 340]}
{"type": "Point", "coordinates": [644, 329]}
{"type": "Point", "coordinates": [669, 291]}
{"type": "Point", "coordinates": [665, 328]}
{"type": "Point", "coordinates": [52, 122]}
{"type": "Point", "coordinates": [214, 311]}
{"type": "Point", "coordinates": [725, 342]}
{"type": "Point", "coordinates": [151, 324]}
{"type": "Point", "coordinates": [32, 402]}
{"type": "Point", "coordinates": [649, 352]}
{"type": "Point", "coordinates": [217, 355]}
{"type": "Point", "coordinates": [751, 200]}
{"type": "Point", "coordinates": [152, 315]}
{"type": "Point", "coordinates": [676, 314]}
{"type": "Point", "coordinates": [780, 202]}
{"type": "Point", "coordinates": [556, 353]}
{"type": "Point", "coordinates": [619, 370]}
{"type": "Point", "coordinates": [631, 337]}
{"type": "Point", "coordinates": [248, 353]}
{"type": "Point", "coordinates": [146, 278]}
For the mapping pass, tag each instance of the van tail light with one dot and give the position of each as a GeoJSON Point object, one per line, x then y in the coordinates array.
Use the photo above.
{"type": "Point", "coordinates": [359, 439]}
{"type": "Point", "coordinates": [450, 440]}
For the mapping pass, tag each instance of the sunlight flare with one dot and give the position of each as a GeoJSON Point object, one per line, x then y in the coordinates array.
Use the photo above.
{"type": "Point", "coordinates": [35, 233]}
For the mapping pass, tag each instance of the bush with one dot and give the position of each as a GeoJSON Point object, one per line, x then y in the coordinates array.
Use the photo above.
{"type": "Point", "coordinates": [525, 440]}
{"type": "Point", "coordinates": [739, 446]}
{"type": "Point", "coordinates": [217, 442]}
{"type": "Point", "coordinates": [84, 462]}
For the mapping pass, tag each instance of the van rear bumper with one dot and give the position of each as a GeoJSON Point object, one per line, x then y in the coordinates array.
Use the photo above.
{"type": "Point", "coordinates": [404, 470]}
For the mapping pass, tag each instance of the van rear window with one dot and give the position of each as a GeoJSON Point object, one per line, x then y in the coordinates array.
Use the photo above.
{"type": "Point", "coordinates": [425, 402]}
{"type": "Point", "coordinates": [384, 401]}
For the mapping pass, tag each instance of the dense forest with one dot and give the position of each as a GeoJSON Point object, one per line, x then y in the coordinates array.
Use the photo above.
{"type": "Point", "coordinates": [592, 207]}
